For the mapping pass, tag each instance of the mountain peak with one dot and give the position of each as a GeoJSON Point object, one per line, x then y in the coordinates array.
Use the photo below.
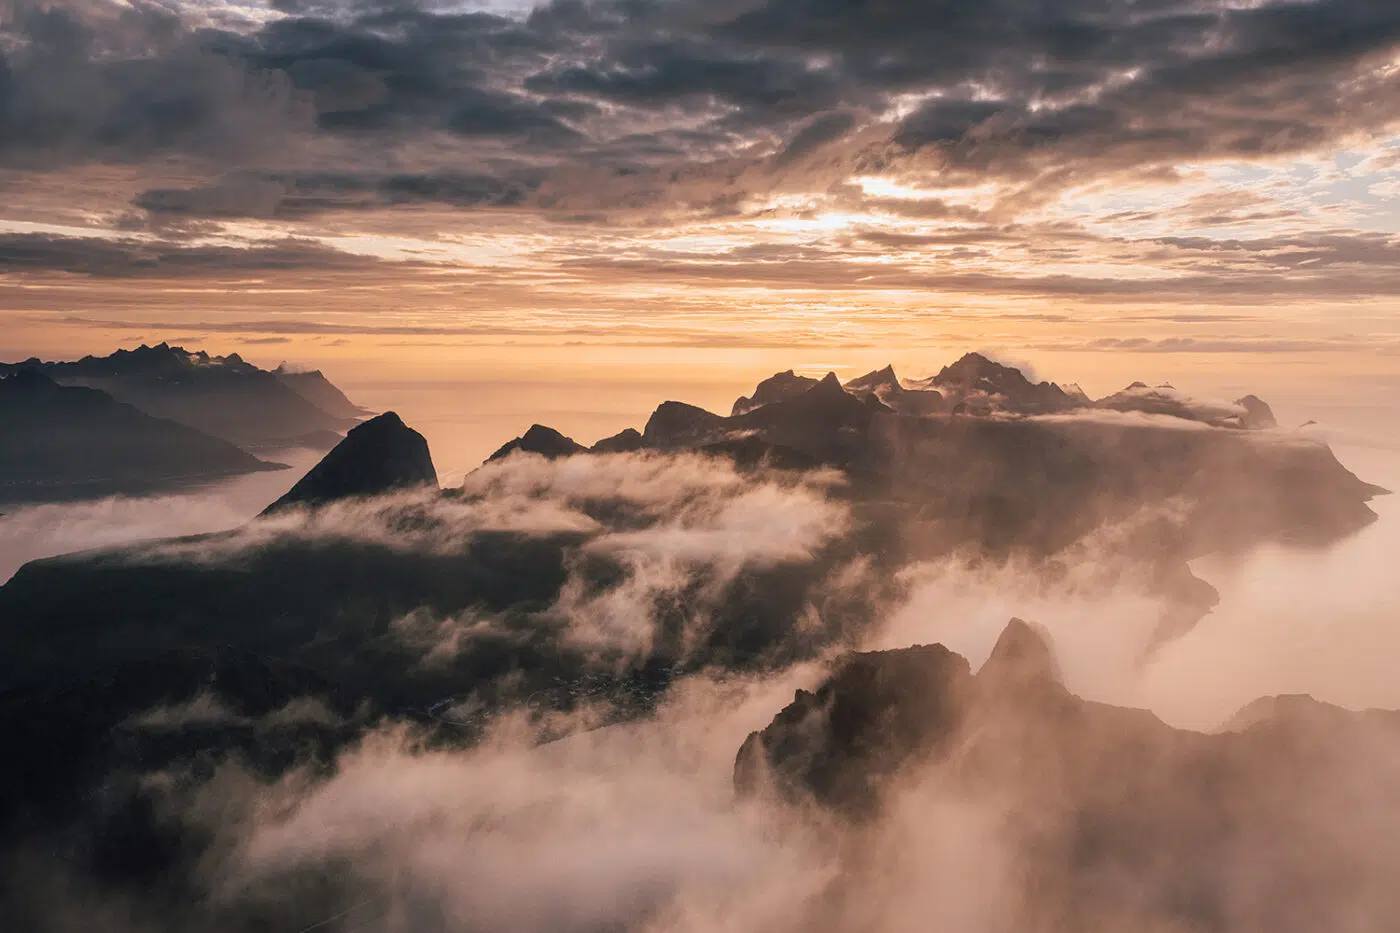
{"type": "Point", "coordinates": [971, 367]}
{"type": "Point", "coordinates": [377, 456]}
{"type": "Point", "coordinates": [1022, 655]}
{"type": "Point", "coordinates": [675, 424]}
{"type": "Point", "coordinates": [1257, 413]}
{"type": "Point", "coordinates": [775, 388]}
{"type": "Point", "coordinates": [542, 440]}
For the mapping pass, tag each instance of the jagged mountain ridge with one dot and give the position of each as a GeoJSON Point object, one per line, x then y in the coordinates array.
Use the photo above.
{"type": "Point", "coordinates": [1012, 463]}
{"type": "Point", "coordinates": [1207, 832]}
{"type": "Point", "coordinates": [224, 396]}
{"type": "Point", "coordinates": [80, 636]}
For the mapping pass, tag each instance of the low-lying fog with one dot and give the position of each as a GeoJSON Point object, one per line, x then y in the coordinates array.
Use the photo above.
{"type": "Point", "coordinates": [599, 829]}
{"type": "Point", "coordinates": [1289, 621]}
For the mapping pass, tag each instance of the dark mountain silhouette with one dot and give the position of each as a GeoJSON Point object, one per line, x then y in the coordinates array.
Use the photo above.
{"type": "Point", "coordinates": [676, 424]}
{"type": "Point", "coordinates": [220, 395]}
{"type": "Point", "coordinates": [980, 385]}
{"type": "Point", "coordinates": [64, 442]}
{"type": "Point", "coordinates": [879, 381]}
{"type": "Point", "coordinates": [1249, 413]}
{"type": "Point", "coordinates": [752, 453]}
{"type": "Point", "coordinates": [884, 385]}
{"type": "Point", "coordinates": [380, 455]}
{"type": "Point", "coordinates": [775, 388]}
{"type": "Point", "coordinates": [541, 440]}
{"type": "Point", "coordinates": [1020, 483]}
{"type": "Point", "coordinates": [824, 422]}
{"type": "Point", "coordinates": [90, 642]}
{"type": "Point", "coordinates": [313, 386]}
{"type": "Point", "coordinates": [625, 441]}
{"type": "Point", "coordinates": [1209, 832]}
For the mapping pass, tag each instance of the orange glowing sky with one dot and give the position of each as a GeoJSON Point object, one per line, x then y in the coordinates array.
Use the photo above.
{"type": "Point", "coordinates": [1095, 186]}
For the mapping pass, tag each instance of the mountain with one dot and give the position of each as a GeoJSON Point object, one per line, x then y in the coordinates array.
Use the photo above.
{"type": "Point", "coordinates": [1257, 413]}
{"type": "Point", "coordinates": [676, 424]}
{"type": "Point", "coordinates": [378, 456]}
{"type": "Point", "coordinates": [824, 422]}
{"type": "Point", "coordinates": [978, 385]}
{"type": "Point", "coordinates": [625, 441]}
{"type": "Point", "coordinates": [1208, 832]}
{"type": "Point", "coordinates": [541, 440]}
{"type": "Point", "coordinates": [540, 588]}
{"type": "Point", "coordinates": [220, 395]}
{"type": "Point", "coordinates": [1037, 470]}
{"type": "Point", "coordinates": [65, 442]}
{"type": "Point", "coordinates": [883, 385]}
{"type": "Point", "coordinates": [313, 386]}
{"type": "Point", "coordinates": [1249, 413]}
{"type": "Point", "coordinates": [775, 388]}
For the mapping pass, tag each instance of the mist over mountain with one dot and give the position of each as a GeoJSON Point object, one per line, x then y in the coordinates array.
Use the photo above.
{"type": "Point", "coordinates": [59, 443]}
{"type": "Point", "coordinates": [224, 396]}
{"type": "Point", "coordinates": [521, 703]}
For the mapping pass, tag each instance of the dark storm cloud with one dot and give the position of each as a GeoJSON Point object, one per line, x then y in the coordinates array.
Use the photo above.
{"type": "Point", "coordinates": [291, 196]}
{"type": "Point", "coordinates": [374, 104]}
{"type": "Point", "coordinates": [104, 258]}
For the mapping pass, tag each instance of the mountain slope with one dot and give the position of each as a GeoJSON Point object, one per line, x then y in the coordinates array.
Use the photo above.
{"type": "Point", "coordinates": [223, 396]}
{"type": "Point", "coordinates": [378, 456]}
{"type": "Point", "coordinates": [1110, 818]}
{"type": "Point", "coordinates": [313, 386]}
{"type": "Point", "coordinates": [61, 442]}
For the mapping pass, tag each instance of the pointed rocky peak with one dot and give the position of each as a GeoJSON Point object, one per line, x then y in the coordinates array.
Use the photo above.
{"type": "Point", "coordinates": [982, 383]}
{"type": "Point", "coordinates": [973, 367]}
{"type": "Point", "coordinates": [542, 440]}
{"type": "Point", "coordinates": [676, 424]}
{"type": "Point", "coordinates": [775, 388]}
{"type": "Point", "coordinates": [830, 383]}
{"type": "Point", "coordinates": [1023, 655]}
{"type": "Point", "coordinates": [1076, 394]}
{"type": "Point", "coordinates": [378, 456]}
{"type": "Point", "coordinates": [624, 441]}
{"type": "Point", "coordinates": [879, 380]}
{"type": "Point", "coordinates": [1257, 413]}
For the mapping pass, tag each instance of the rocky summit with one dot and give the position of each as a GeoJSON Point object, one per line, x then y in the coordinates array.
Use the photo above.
{"type": "Point", "coordinates": [380, 455]}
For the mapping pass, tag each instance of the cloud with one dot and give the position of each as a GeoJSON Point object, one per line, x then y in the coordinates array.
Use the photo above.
{"type": "Point", "coordinates": [553, 823]}
{"type": "Point", "coordinates": [33, 532]}
{"type": "Point", "coordinates": [132, 258]}
{"type": "Point", "coordinates": [664, 101]}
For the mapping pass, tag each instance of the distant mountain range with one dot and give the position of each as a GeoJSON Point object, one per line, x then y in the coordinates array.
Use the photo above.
{"type": "Point", "coordinates": [154, 418]}
{"type": "Point", "coordinates": [68, 442]}
{"type": "Point", "coordinates": [224, 396]}
{"type": "Point", "coordinates": [560, 577]}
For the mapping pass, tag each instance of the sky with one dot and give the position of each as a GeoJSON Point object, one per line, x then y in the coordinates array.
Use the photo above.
{"type": "Point", "coordinates": [1105, 188]}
